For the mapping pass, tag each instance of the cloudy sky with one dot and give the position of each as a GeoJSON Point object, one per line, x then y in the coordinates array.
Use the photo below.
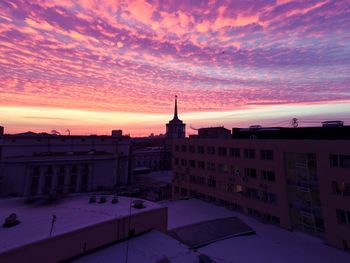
{"type": "Point", "coordinates": [92, 66]}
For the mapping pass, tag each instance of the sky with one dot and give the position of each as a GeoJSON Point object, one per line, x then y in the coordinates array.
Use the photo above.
{"type": "Point", "coordinates": [92, 66]}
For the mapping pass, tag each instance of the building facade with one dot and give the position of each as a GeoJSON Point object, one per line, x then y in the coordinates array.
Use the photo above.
{"type": "Point", "coordinates": [43, 164]}
{"type": "Point", "coordinates": [297, 178]}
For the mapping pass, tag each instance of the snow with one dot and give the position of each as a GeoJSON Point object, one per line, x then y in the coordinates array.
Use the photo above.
{"type": "Point", "coordinates": [72, 213]}
{"type": "Point", "coordinates": [270, 244]}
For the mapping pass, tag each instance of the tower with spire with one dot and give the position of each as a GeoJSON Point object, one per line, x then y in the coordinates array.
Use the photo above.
{"type": "Point", "coordinates": [175, 128]}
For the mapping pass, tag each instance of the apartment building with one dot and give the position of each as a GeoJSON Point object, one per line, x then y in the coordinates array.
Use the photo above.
{"type": "Point", "coordinates": [297, 178]}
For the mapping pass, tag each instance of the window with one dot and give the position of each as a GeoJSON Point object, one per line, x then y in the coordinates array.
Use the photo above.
{"type": "Point", "coordinates": [48, 181]}
{"type": "Point", "coordinates": [177, 148]}
{"type": "Point", "coordinates": [200, 180]}
{"type": "Point", "coordinates": [200, 149]}
{"type": "Point", "coordinates": [191, 149]}
{"type": "Point", "coordinates": [251, 172]}
{"type": "Point", "coordinates": [343, 216]}
{"type": "Point", "coordinates": [192, 178]}
{"type": "Point", "coordinates": [268, 176]}
{"type": "Point", "coordinates": [223, 168]}
{"type": "Point", "coordinates": [252, 193]}
{"type": "Point", "coordinates": [184, 162]}
{"type": "Point", "coordinates": [201, 165]}
{"type": "Point", "coordinates": [249, 153]}
{"type": "Point", "coordinates": [222, 151]}
{"type": "Point", "coordinates": [211, 150]}
{"type": "Point", "coordinates": [183, 177]}
{"type": "Point", "coordinates": [266, 155]}
{"type": "Point", "coordinates": [341, 161]}
{"type": "Point", "coordinates": [210, 166]}
{"type": "Point", "coordinates": [235, 152]}
{"type": "Point", "coordinates": [84, 179]}
{"type": "Point", "coordinates": [192, 193]}
{"type": "Point", "coordinates": [269, 198]}
{"type": "Point", "coordinates": [239, 188]}
{"type": "Point", "coordinates": [192, 163]}
{"type": "Point", "coordinates": [212, 182]}
{"type": "Point", "coordinates": [34, 184]}
{"type": "Point", "coordinates": [176, 189]}
{"type": "Point", "coordinates": [341, 188]}
{"type": "Point", "coordinates": [176, 161]}
{"type": "Point", "coordinates": [60, 181]}
{"type": "Point", "coordinates": [183, 148]}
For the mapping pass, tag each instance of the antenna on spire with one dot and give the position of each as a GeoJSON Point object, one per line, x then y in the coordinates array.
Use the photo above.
{"type": "Point", "coordinates": [175, 112]}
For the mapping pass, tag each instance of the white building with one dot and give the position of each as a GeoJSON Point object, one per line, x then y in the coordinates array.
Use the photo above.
{"type": "Point", "coordinates": [34, 164]}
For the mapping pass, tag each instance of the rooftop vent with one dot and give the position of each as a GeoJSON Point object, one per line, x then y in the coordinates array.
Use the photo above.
{"type": "Point", "coordinates": [332, 124]}
{"type": "Point", "coordinates": [11, 220]}
{"type": "Point", "coordinates": [115, 199]}
{"type": "Point", "coordinates": [138, 204]}
{"type": "Point", "coordinates": [103, 199]}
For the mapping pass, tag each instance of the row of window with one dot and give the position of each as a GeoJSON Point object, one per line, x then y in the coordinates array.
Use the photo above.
{"type": "Point", "coordinates": [223, 151]}
{"type": "Point", "coordinates": [266, 217]}
{"type": "Point", "coordinates": [232, 188]}
{"type": "Point", "coordinates": [224, 168]}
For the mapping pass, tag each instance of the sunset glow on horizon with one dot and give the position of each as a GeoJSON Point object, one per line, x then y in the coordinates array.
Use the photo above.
{"type": "Point", "coordinates": [93, 66]}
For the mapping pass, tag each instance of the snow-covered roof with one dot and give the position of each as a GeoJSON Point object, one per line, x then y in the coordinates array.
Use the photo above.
{"type": "Point", "coordinates": [270, 244]}
{"type": "Point", "coordinates": [72, 213]}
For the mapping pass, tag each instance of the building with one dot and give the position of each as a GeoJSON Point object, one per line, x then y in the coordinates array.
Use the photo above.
{"type": "Point", "coordinates": [74, 226]}
{"type": "Point", "coordinates": [175, 128]}
{"type": "Point", "coordinates": [33, 164]}
{"type": "Point", "coordinates": [297, 178]}
{"type": "Point", "coordinates": [149, 154]}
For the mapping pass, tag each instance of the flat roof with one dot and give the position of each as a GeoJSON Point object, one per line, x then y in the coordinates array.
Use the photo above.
{"type": "Point", "coordinates": [72, 213]}
{"type": "Point", "coordinates": [270, 244]}
{"type": "Point", "coordinates": [300, 133]}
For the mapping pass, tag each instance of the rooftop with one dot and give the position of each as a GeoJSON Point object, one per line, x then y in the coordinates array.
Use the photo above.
{"type": "Point", "coordinates": [309, 133]}
{"type": "Point", "coordinates": [72, 213]}
{"type": "Point", "coordinates": [270, 244]}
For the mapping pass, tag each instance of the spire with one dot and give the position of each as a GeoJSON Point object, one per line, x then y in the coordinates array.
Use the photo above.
{"type": "Point", "coordinates": [175, 112]}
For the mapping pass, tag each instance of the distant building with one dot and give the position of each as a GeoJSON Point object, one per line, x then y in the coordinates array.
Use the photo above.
{"type": "Point", "coordinates": [297, 178]}
{"type": "Point", "coordinates": [175, 128]}
{"type": "Point", "coordinates": [153, 158]}
{"type": "Point", "coordinates": [33, 164]}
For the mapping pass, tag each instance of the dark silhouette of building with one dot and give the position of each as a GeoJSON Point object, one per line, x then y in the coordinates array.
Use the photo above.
{"type": "Point", "coordinates": [175, 128]}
